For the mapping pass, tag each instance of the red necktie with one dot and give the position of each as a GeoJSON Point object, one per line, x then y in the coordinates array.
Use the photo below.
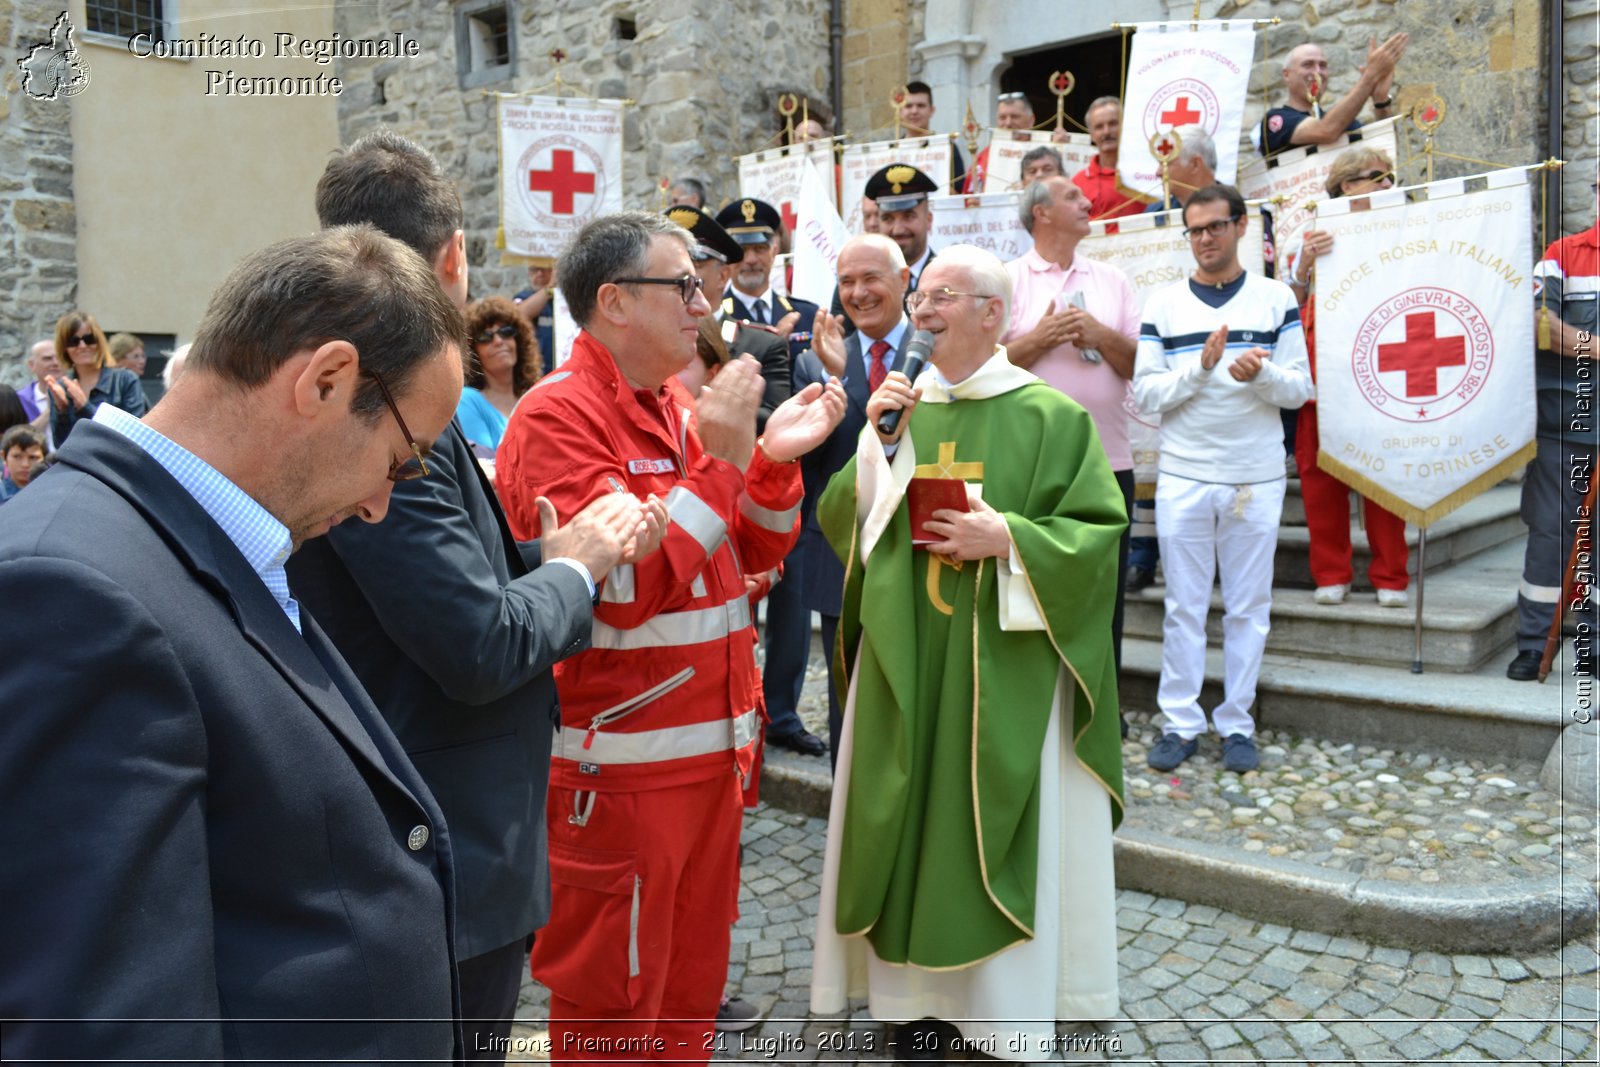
{"type": "Point", "coordinates": [880, 367]}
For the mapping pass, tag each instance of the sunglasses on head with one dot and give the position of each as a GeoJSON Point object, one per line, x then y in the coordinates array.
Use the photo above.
{"type": "Point", "coordinates": [508, 332]}
{"type": "Point", "coordinates": [1008, 97]}
{"type": "Point", "coordinates": [81, 339]}
{"type": "Point", "coordinates": [1376, 176]}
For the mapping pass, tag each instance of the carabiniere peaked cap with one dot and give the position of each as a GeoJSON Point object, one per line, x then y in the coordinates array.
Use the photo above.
{"type": "Point", "coordinates": [750, 221]}
{"type": "Point", "coordinates": [711, 237]}
{"type": "Point", "coordinates": [899, 187]}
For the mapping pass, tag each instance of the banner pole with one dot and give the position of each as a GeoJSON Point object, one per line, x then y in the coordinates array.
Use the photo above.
{"type": "Point", "coordinates": [1422, 570]}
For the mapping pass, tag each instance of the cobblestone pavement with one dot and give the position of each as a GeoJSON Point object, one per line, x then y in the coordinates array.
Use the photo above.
{"type": "Point", "coordinates": [1198, 985]}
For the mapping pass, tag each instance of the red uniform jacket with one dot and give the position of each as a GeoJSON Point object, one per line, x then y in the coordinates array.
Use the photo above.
{"type": "Point", "coordinates": [667, 693]}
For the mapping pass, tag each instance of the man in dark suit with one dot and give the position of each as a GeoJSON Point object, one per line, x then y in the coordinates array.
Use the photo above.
{"type": "Point", "coordinates": [217, 847]}
{"type": "Point", "coordinates": [453, 626]}
{"type": "Point", "coordinates": [873, 280]}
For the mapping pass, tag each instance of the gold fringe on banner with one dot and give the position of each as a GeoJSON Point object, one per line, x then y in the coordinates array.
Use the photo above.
{"type": "Point", "coordinates": [1427, 517]}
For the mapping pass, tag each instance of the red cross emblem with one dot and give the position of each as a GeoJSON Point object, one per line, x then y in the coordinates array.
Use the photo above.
{"type": "Point", "coordinates": [1164, 149]}
{"type": "Point", "coordinates": [1422, 354]}
{"type": "Point", "coordinates": [1062, 83]}
{"type": "Point", "coordinates": [562, 181]}
{"type": "Point", "coordinates": [790, 219]}
{"type": "Point", "coordinates": [1430, 113]}
{"type": "Point", "coordinates": [1181, 113]}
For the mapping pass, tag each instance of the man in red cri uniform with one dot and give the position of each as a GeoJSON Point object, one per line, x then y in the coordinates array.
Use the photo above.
{"type": "Point", "coordinates": [660, 719]}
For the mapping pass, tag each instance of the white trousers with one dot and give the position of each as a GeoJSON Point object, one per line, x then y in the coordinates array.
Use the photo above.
{"type": "Point", "coordinates": [1202, 526]}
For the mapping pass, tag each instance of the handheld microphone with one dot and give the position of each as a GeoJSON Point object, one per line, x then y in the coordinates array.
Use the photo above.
{"type": "Point", "coordinates": [917, 352]}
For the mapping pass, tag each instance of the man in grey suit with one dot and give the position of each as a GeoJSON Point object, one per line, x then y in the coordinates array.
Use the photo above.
{"type": "Point", "coordinates": [873, 279]}
{"type": "Point", "coordinates": [216, 848]}
{"type": "Point", "coordinates": [453, 626]}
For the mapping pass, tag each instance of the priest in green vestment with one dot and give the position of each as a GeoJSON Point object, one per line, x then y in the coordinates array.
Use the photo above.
{"type": "Point", "coordinates": [968, 871]}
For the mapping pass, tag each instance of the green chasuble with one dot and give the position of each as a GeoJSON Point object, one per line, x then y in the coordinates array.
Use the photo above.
{"type": "Point", "coordinates": [940, 837]}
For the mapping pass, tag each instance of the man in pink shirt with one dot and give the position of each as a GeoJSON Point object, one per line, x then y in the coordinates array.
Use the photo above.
{"type": "Point", "coordinates": [1075, 323]}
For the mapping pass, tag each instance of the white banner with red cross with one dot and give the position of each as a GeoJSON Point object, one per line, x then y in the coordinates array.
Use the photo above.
{"type": "Point", "coordinates": [1182, 74]}
{"type": "Point", "coordinates": [1003, 171]}
{"type": "Point", "coordinates": [560, 166]}
{"type": "Point", "coordinates": [1424, 341]}
{"type": "Point", "coordinates": [775, 176]}
{"type": "Point", "coordinates": [931, 155]}
{"type": "Point", "coordinates": [989, 222]}
{"type": "Point", "coordinates": [1153, 252]}
{"type": "Point", "coordinates": [1294, 179]}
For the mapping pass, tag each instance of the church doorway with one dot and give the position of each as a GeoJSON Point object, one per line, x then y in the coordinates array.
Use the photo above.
{"type": "Point", "coordinates": [1095, 62]}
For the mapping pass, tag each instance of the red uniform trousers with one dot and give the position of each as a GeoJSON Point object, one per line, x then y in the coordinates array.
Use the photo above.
{"type": "Point", "coordinates": [659, 874]}
{"type": "Point", "coordinates": [1327, 501]}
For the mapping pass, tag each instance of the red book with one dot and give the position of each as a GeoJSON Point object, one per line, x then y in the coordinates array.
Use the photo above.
{"type": "Point", "coordinates": [925, 496]}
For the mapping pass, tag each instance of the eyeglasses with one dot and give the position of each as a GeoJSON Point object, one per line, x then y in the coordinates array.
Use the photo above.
{"type": "Point", "coordinates": [940, 298]}
{"type": "Point", "coordinates": [508, 332]}
{"type": "Point", "coordinates": [1215, 229]}
{"type": "Point", "coordinates": [409, 469]}
{"type": "Point", "coordinates": [81, 339]}
{"type": "Point", "coordinates": [1375, 176]}
{"type": "Point", "coordinates": [688, 285]}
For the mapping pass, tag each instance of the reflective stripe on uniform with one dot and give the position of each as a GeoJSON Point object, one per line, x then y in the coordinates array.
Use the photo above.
{"type": "Point", "coordinates": [696, 518]}
{"type": "Point", "coordinates": [654, 746]}
{"type": "Point", "coordinates": [672, 629]}
{"type": "Point", "coordinates": [1540, 594]}
{"type": "Point", "coordinates": [619, 585]}
{"type": "Point", "coordinates": [776, 521]}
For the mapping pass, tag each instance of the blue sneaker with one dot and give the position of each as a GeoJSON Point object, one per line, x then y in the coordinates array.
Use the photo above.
{"type": "Point", "coordinates": [1170, 751]}
{"type": "Point", "coordinates": [1239, 753]}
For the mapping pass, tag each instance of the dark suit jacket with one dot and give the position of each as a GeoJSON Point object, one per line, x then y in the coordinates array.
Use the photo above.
{"type": "Point", "coordinates": [822, 575]}
{"type": "Point", "coordinates": [453, 627]}
{"type": "Point", "coordinates": [734, 305]}
{"type": "Point", "coordinates": [773, 355]}
{"type": "Point", "coordinates": [208, 820]}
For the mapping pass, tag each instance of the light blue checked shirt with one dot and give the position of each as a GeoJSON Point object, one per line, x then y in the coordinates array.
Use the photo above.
{"type": "Point", "coordinates": [260, 538]}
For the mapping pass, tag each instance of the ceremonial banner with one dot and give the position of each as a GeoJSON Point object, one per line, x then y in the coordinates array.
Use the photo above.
{"type": "Point", "coordinates": [774, 176]}
{"type": "Point", "coordinates": [560, 166]}
{"type": "Point", "coordinates": [1183, 73]}
{"type": "Point", "coordinates": [1003, 172]}
{"type": "Point", "coordinates": [1424, 337]}
{"type": "Point", "coordinates": [989, 222]}
{"type": "Point", "coordinates": [1293, 178]}
{"type": "Point", "coordinates": [817, 239]}
{"type": "Point", "coordinates": [931, 155]}
{"type": "Point", "coordinates": [1153, 252]}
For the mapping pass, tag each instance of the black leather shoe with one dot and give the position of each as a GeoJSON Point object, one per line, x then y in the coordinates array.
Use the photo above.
{"type": "Point", "coordinates": [1525, 668]}
{"type": "Point", "coordinates": [1139, 579]}
{"type": "Point", "coordinates": [802, 741]}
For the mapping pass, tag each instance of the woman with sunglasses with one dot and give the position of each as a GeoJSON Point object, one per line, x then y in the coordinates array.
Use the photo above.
{"type": "Point", "coordinates": [505, 367]}
{"type": "Point", "coordinates": [1357, 172]}
{"type": "Point", "coordinates": [92, 377]}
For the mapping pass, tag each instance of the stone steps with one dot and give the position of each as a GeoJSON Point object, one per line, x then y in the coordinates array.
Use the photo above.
{"type": "Point", "coordinates": [1491, 519]}
{"type": "Point", "coordinates": [1469, 618]}
{"type": "Point", "coordinates": [1481, 713]}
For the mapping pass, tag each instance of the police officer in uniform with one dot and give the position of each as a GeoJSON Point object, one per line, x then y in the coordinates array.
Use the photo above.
{"type": "Point", "coordinates": [901, 192]}
{"type": "Point", "coordinates": [758, 228]}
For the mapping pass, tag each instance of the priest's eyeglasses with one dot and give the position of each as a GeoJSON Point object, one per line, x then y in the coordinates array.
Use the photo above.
{"type": "Point", "coordinates": [940, 298]}
{"type": "Point", "coordinates": [409, 469]}
{"type": "Point", "coordinates": [688, 285]}
{"type": "Point", "coordinates": [1215, 229]}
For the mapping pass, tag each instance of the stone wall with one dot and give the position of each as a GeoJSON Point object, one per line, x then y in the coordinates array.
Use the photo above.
{"type": "Point", "coordinates": [875, 50]}
{"type": "Point", "coordinates": [705, 78]}
{"type": "Point", "coordinates": [38, 226]}
{"type": "Point", "coordinates": [1581, 140]}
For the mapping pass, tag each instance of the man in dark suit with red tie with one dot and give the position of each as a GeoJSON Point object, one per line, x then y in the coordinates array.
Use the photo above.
{"type": "Point", "coordinates": [873, 280]}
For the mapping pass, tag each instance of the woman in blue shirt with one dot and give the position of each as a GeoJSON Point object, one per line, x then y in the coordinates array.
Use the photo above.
{"type": "Point", "coordinates": [506, 366]}
{"type": "Point", "coordinates": [92, 377]}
